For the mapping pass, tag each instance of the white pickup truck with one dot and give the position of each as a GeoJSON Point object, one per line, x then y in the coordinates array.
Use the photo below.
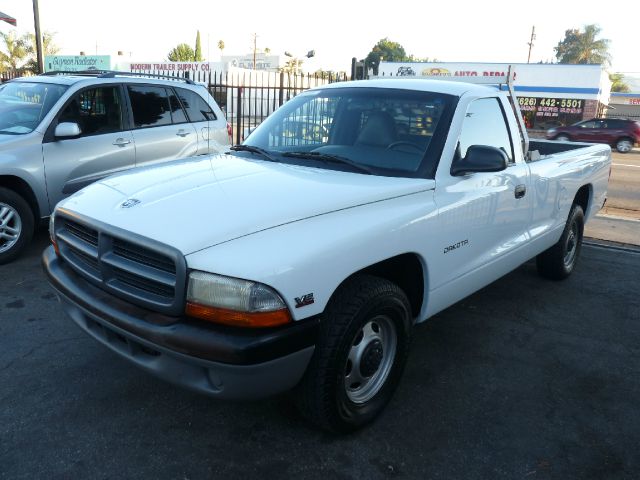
{"type": "Point", "coordinates": [303, 259]}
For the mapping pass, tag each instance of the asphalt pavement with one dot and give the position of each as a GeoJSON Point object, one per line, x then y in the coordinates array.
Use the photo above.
{"type": "Point", "coordinates": [526, 379]}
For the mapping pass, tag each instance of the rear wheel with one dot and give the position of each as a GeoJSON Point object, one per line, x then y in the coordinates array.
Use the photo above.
{"type": "Point", "coordinates": [559, 261]}
{"type": "Point", "coordinates": [16, 225]}
{"type": "Point", "coordinates": [359, 357]}
{"type": "Point", "coordinates": [624, 145]}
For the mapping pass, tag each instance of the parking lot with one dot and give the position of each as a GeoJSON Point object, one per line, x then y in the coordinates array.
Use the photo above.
{"type": "Point", "coordinates": [525, 379]}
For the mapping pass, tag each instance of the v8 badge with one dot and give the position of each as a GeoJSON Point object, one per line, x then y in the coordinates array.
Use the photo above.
{"type": "Point", "coordinates": [304, 300]}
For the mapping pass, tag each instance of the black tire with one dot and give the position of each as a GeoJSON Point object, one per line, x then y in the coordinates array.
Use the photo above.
{"type": "Point", "coordinates": [557, 262]}
{"type": "Point", "coordinates": [360, 305]}
{"type": "Point", "coordinates": [15, 215]}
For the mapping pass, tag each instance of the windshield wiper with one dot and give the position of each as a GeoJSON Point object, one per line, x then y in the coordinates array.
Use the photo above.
{"type": "Point", "coordinates": [256, 150]}
{"type": "Point", "coordinates": [326, 157]}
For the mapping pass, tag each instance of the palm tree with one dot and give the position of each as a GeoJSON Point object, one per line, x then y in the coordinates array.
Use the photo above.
{"type": "Point", "coordinates": [618, 84]}
{"type": "Point", "coordinates": [48, 48]}
{"type": "Point", "coordinates": [583, 47]}
{"type": "Point", "coordinates": [13, 51]}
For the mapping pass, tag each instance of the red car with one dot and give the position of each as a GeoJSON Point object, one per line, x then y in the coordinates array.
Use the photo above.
{"type": "Point", "coordinates": [619, 133]}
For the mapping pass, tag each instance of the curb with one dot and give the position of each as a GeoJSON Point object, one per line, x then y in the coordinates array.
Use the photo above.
{"type": "Point", "coordinates": [610, 245]}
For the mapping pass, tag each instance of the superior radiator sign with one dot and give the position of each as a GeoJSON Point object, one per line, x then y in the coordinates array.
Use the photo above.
{"type": "Point", "coordinates": [76, 63]}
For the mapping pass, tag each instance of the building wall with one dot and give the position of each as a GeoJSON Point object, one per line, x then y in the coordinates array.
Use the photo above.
{"type": "Point", "coordinates": [624, 105]}
{"type": "Point", "coordinates": [549, 94]}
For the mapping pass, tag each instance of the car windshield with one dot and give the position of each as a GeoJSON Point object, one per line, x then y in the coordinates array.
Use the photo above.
{"type": "Point", "coordinates": [23, 105]}
{"type": "Point", "coordinates": [380, 131]}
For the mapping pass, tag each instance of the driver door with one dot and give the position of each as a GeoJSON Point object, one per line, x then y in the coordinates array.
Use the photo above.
{"type": "Point", "coordinates": [104, 146]}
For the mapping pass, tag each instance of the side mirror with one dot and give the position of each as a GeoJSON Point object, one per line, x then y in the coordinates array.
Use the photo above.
{"type": "Point", "coordinates": [67, 129]}
{"type": "Point", "coordinates": [480, 158]}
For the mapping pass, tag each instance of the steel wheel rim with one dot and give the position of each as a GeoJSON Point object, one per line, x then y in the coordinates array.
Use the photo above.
{"type": "Point", "coordinates": [624, 146]}
{"type": "Point", "coordinates": [10, 227]}
{"type": "Point", "coordinates": [370, 359]}
{"type": "Point", "coordinates": [571, 245]}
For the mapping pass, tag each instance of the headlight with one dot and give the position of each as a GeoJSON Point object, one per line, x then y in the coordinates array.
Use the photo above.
{"type": "Point", "coordinates": [551, 131]}
{"type": "Point", "coordinates": [233, 301]}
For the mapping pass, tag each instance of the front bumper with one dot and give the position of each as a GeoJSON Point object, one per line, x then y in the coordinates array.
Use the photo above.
{"type": "Point", "coordinates": [222, 361]}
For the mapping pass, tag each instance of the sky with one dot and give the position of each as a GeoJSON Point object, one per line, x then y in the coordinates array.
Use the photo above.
{"type": "Point", "coordinates": [454, 31]}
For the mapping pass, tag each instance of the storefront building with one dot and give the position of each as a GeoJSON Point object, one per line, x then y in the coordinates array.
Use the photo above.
{"type": "Point", "coordinates": [624, 105]}
{"type": "Point", "coordinates": [550, 95]}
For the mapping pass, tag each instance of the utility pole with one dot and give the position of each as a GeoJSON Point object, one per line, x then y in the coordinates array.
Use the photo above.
{"type": "Point", "coordinates": [255, 41]}
{"type": "Point", "coordinates": [36, 21]}
{"type": "Point", "coordinates": [530, 43]}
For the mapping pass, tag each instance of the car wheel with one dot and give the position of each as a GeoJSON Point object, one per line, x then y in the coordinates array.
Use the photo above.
{"type": "Point", "coordinates": [560, 260]}
{"type": "Point", "coordinates": [16, 225]}
{"type": "Point", "coordinates": [563, 138]}
{"type": "Point", "coordinates": [359, 357]}
{"type": "Point", "coordinates": [624, 145]}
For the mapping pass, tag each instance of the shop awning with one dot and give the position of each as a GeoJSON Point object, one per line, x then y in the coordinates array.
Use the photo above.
{"type": "Point", "coordinates": [6, 18]}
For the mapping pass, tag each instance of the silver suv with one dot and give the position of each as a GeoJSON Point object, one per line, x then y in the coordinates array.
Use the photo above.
{"type": "Point", "coordinates": [60, 132]}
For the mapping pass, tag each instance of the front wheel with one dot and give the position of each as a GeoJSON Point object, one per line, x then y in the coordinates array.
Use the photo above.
{"type": "Point", "coordinates": [562, 138]}
{"type": "Point", "coordinates": [559, 261]}
{"type": "Point", "coordinates": [360, 355]}
{"type": "Point", "coordinates": [16, 225]}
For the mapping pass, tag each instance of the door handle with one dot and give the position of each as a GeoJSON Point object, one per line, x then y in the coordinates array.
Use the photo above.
{"type": "Point", "coordinates": [121, 142]}
{"type": "Point", "coordinates": [520, 191]}
{"type": "Point", "coordinates": [182, 133]}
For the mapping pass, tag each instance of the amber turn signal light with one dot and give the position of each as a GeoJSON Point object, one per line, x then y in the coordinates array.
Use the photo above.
{"type": "Point", "coordinates": [238, 319]}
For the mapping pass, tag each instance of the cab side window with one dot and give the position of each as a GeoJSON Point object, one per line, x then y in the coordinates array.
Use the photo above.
{"type": "Point", "coordinates": [485, 124]}
{"type": "Point", "coordinates": [95, 110]}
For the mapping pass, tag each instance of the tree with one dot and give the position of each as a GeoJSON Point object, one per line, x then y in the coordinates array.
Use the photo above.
{"type": "Point", "coordinates": [48, 48]}
{"type": "Point", "coordinates": [582, 47]}
{"type": "Point", "coordinates": [181, 53]}
{"type": "Point", "coordinates": [221, 46]}
{"type": "Point", "coordinates": [197, 56]}
{"type": "Point", "coordinates": [618, 83]}
{"type": "Point", "coordinates": [14, 51]}
{"type": "Point", "coordinates": [293, 65]}
{"type": "Point", "coordinates": [386, 50]}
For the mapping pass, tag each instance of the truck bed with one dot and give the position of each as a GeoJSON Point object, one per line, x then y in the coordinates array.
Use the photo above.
{"type": "Point", "coordinates": [545, 148]}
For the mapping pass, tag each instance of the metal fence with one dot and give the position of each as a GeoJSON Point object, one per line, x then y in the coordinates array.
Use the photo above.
{"type": "Point", "coordinates": [11, 74]}
{"type": "Point", "coordinates": [624, 116]}
{"type": "Point", "coordinates": [247, 97]}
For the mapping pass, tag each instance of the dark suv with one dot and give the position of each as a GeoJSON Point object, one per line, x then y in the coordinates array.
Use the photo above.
{"type": "Point", "coordinates": [619, 133]}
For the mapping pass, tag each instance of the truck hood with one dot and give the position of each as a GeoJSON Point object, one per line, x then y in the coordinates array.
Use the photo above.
{"type": "Point", "coordinates": [205, 201]}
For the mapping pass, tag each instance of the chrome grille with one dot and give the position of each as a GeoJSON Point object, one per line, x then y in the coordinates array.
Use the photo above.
{"type": "Point", "coordinates": [140, 270]}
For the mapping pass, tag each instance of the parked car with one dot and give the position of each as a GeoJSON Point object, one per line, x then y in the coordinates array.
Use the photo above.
{"type": "Point", "coordinates": [619, 133]}
{"type": "Point", "coordinates": [59, 133]}
{"type": "Point", "coordinates": [304, 261]}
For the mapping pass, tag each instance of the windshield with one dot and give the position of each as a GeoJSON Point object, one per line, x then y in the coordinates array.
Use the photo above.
{"type": "Point", "coordinates": [23, 105]}
{"type": "Point", "coordinates": [381, 131]}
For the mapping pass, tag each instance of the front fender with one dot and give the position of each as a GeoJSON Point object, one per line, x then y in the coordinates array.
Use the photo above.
{"type": "Point", "coordinates": [314, 256]}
